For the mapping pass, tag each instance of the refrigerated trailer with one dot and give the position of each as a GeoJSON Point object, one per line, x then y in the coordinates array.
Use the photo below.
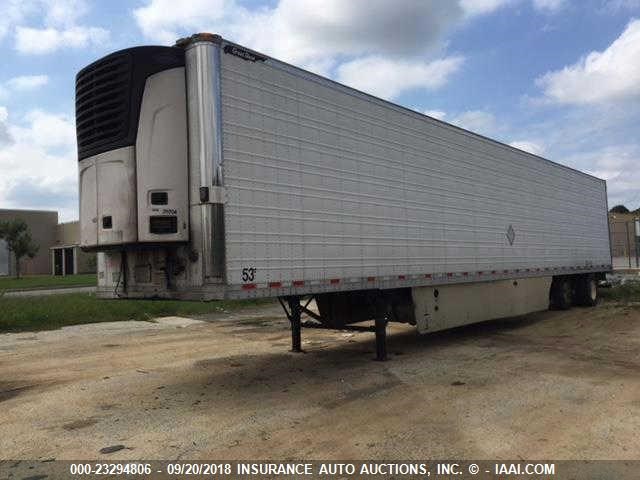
{"type": "Point", "coordinates": [210, 171]}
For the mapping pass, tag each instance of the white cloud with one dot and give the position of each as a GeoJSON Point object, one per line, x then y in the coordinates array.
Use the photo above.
{"type": "Point", "coordinates": [388, 78]}
{"type": "Point", "coordinates": [60, 26]}
{"type": "Point", "coordinates": [614, 6]}
{"type": "Point", "coordinates": [477, 121]}
{"type": "Point", "coordinates": [351, 38]}
{"type": "Point", "coordinates": [612, 74]}
{"type": "Point", "coordinates": [22, 84]}
{"type": "Point", "coordinates": [46, 130]}
{"type": "Point", "coordinates": [439, 114]}
{"type": "Point", "coordinates": [532, 147]}
{"type": "Point", "coordinates": [314, 32]}
{"type": "Point", "coordinates": [618, 166]}
{"type": "Point", "coordinates": [64, 13]}
{"type": "Point", "coordinates": [27, 82]}
{"type": "Point", "coordinates": [164, 19]}
{"type": "Point", "coordinates": [482, 7]}
{"type": "Point", "coordinates": [473, 8]}
{"type": "Point", "coordinates": [39, 153]}
{"type": "Point", "coordinates": [5, 137]}
{"type": "Point", "coordinates": [550, 6]}
{"type": "Point", "coordinates": [46, 40]}
{"type": "Point", "coordinates": [11, 13]}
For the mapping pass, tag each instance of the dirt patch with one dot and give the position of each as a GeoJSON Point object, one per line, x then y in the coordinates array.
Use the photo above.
{"type": "Point", "coordinates": [232, 361]}
{"type": "Point", "coordinates": [551, 385]}
{"type": "Point", "coordinates": [11, 389]}
{"type": "Point", "coordinates": [78, 424]}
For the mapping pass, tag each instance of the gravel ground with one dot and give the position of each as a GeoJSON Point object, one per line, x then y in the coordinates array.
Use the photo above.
{"type": "Point", "coordinates": [552, 385]}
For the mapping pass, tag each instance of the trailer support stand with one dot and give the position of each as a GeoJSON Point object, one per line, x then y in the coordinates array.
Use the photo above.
{"type": "Point", "coordinates": [296, 326]}
{"type": "Point", "coordinates": [381, 338]}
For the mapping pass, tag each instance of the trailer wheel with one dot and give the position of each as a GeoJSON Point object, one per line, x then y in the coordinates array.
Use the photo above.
{"type": "Point", "coordinates": [561, 293]}
{"type": "Point", "coordinates": [586, 291]}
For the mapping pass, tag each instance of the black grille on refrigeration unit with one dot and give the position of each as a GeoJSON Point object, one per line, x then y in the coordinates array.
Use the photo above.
{"type": "Point", "coordinates": [102, 102]}
{"type": "Point", "coordinates": [162, 225]}
{"type": "Point", "coordinates": [109, 94]}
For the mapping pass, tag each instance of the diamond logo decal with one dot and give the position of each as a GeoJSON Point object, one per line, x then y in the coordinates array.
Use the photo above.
{"type": "Point", "coordinates": [511, 234]}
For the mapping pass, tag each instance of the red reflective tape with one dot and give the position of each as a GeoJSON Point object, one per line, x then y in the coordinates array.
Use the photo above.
{"type": "Point", "coordinates": [479, 272]}
{"type": "Point", "coordinates": [493, 272]}
{"type": "Point", "coordinates": [449, 274]}
{"type": "Point", "coordinates": [249, 286]}
{"type": "Point", "coordinates": [465, 273]}
{"type": "Point", "coordinates": [371, 279]}
{"type": "Point", "coordinates": [298, 283]}
{"type": "Point", "coordinates": [275, 284]}
{"type": "Point", "coordinates": [401, 277]}
{"type": "Point", "coordinates": [427, 275]}
{"type": "Point", "coordinates": [334, 281]}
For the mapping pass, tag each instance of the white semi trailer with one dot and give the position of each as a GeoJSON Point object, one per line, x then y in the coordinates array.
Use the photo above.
{"type": "Point", "coordinates": [208, 171]}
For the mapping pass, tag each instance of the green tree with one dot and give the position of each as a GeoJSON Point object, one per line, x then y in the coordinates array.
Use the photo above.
{"type": "Point", "coordinates": [18, 238]}
{"type": "Point", "coordinates": [619, 209]}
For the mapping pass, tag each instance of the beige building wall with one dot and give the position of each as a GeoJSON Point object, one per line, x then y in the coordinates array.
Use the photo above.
{"type": "Point", "coordinates": [68, 235]}
{"type": "Point", "coordinates": [42, 225]}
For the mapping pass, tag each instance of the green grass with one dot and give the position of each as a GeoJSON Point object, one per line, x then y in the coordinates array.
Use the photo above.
{"type": "Point", "coordinates": [48, 312]}
{"type": "Point", "coordinates": [629, 292]}
{"type": "Point", "coordinates": [47, 281]}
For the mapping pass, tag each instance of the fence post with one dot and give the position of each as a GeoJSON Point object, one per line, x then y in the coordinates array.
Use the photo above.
{"type": "Point", "coordinates": [626, 224]}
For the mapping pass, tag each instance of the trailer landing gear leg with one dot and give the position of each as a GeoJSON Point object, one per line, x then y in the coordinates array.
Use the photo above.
{"type": "Point", "coordinates": [293, 313]}
{"type": "Point", "coordinates": [381, 339]}
{"type": "Point", "coordinates": [296, 328]}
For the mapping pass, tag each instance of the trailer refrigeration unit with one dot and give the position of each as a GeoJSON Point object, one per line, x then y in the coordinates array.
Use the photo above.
{"type": "Point", "coordinates": [208, 171]}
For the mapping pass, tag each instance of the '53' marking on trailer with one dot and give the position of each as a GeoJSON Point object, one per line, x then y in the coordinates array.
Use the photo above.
{"type": "Point", "coordinates": [248, 274]}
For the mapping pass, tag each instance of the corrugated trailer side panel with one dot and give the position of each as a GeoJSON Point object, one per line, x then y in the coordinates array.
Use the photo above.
{"type": "Point", "coordinates": [326, 184]}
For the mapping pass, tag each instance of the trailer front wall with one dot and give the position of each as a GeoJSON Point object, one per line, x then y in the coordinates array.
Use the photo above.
{"type": "Point", "coordinates": [325, 184]}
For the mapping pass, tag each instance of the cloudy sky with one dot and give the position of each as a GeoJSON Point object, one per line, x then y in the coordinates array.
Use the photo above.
{"type": "Point", "coordinates": [560, 78]}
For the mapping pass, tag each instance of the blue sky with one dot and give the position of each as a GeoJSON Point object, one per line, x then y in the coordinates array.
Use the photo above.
{"type": "Point", "coordinates": [560, 78]}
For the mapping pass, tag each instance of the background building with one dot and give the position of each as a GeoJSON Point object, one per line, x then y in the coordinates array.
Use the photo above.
{"type": "Point", "coordinates": [42, 225]}
{"type": "Point", "coordinates": [66, 256]}
{"type": "Point", "coordinates": [58, 253]}
{"type": "Point", "coordinates": [624, 229]}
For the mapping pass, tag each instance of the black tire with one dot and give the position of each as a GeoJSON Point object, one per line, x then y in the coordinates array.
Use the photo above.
{"type": "Point", "coordinates": [561, 293]}
{"type": "Point", "coordinates": [586, 291]}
